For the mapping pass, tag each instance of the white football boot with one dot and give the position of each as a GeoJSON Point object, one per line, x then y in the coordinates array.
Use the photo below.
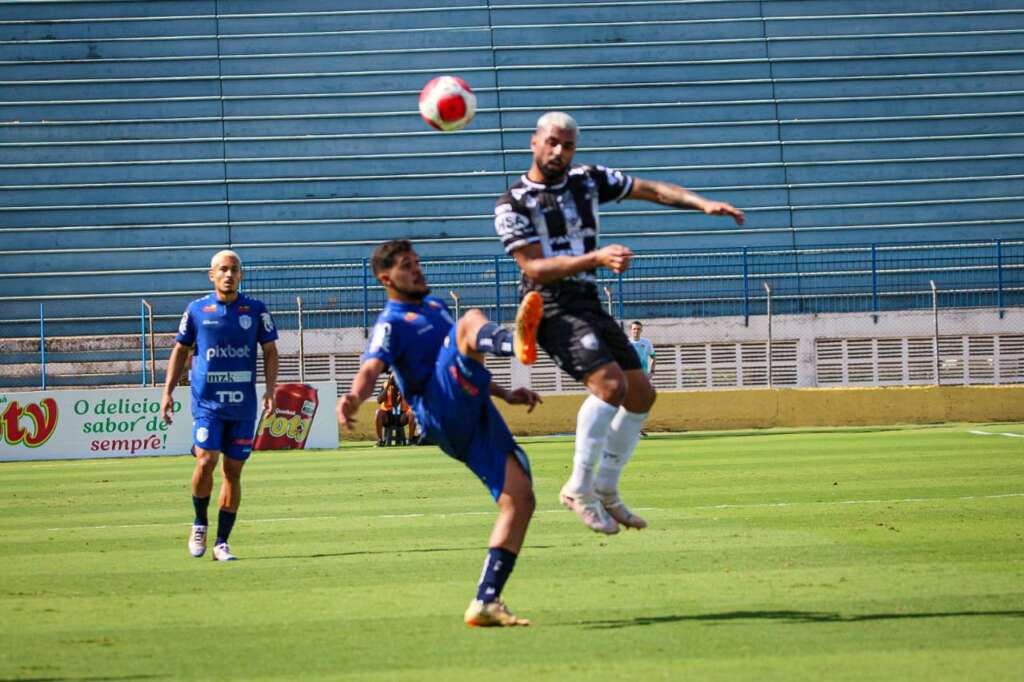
{"type": "Point", "coordinates": [491, 614]}
{"type": "Point", "coordinates": [590, 510]}
{"type": "Point", "coordinates": [618, 510]}
{"type": "Point", "coordinates": [197, 541]}
{"type": "Point", "coordinates": [222, 552]}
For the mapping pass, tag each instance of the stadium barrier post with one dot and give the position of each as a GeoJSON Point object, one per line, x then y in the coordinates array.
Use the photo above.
{"type": "Point", "coordinates": [302, 342]}
{"type": "Point", "coordinates": [366, 298]}
{"type": "Point", "coordinates": [999, 278]}
{"type": "Point", "coordinates": [622, 303]}
{"type": "Point", "coordinates": [152, 343]}
{"type": "Point", "coordinates": [142, 339]}
{"type": "Point", "coordinates": [768, 300]}
{"type": "Point", "coordinates": [874, 282]}
{"type": "Point", "coordinates": [935, 335]}
{"type": "Point", "coordinates": [42, 347]}
{"type": "Point", "coordinates": [497, 289]}
{"type": "Point", "coordinates": [458, 307]}
{"type": "Point", "coordinates": [746, 290]}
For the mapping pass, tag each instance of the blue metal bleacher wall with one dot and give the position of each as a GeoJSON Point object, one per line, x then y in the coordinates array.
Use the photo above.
{"type": "Point", "coordinates": [137, 138]}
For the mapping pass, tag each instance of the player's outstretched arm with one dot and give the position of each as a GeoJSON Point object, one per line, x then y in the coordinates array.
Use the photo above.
{"type": "Point", "coordinates": [179, 354]}
{"type": "Point", "coordinates": [362, 387]}
{"type": "Point", "coordinates": [668, 194]}
{"type": "Point", "coordinates": [270, 365]}
{"type": "Point", "coordinates": [518, 396]}
{"type": "Point", "coordinates": [537, 268]}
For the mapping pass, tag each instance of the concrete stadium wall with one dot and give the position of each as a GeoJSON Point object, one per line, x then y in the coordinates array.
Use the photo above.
{"type": "Point", "coordinates": [761, 409]}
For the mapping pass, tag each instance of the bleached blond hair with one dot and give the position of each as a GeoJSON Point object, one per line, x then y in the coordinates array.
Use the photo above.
{"type": "Point", "coordinates": [226, 253]}
{"type": "Point", "coordinates": [557, 119]}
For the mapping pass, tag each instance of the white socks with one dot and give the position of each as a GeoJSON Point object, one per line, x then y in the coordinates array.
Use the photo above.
{"type": "Point", "coordinates": [623, 435]}
{"type": "Point", "coordinates": [592, 424]}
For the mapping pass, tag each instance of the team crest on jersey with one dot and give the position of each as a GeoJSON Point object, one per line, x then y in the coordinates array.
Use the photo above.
{"type": "Point", "coordinates": [212, 308]}
{"type": "Point", "coordinates": [244, 321]}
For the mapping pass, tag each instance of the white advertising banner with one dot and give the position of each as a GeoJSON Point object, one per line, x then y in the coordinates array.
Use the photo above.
{"type": "Point", "coordinates": [126, 422]}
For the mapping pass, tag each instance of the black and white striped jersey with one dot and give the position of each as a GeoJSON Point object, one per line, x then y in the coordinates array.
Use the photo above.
{"type": "Point", "coordinates": [563, 218]}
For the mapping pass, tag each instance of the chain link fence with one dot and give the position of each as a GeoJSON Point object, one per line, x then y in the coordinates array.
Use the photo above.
{"type": "Point", "coordinates": [874, 314]}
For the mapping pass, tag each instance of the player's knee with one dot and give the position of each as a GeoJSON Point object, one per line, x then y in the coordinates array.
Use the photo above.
{"type": "Point", "coordinates": [206, 460]}
{"type": "Point", "coordinates": [647, 398]}
{"type": "Point", "coordinates": [522, 503]}
{"type": "Point", "coordinates": [613, 392]}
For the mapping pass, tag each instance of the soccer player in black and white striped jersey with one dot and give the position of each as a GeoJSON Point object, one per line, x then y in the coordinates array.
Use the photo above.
{"type": "Point", "coordinates": [548, 221]}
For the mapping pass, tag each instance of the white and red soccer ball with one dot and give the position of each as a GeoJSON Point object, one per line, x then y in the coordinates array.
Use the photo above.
{"type": "Point", "coordinates": [447, 103]}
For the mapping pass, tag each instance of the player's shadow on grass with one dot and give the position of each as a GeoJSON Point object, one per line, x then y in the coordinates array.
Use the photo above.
{"type": "Point", "coordinates": [370, 552]}
{"type": "Point", "coordinates": [786, 617]}
{"type": "Point", "coordinates": [101, 678]}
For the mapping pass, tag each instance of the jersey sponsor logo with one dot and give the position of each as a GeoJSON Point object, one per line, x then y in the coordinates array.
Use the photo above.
{"type": "Point", "coordinates": [463, 382]}
{"type": "Point", "coordinates": [230, 397]}
{"type": "Point", "coordinates": [228, 377]}
{"type": "Point", "coordinates": [212, 308]}
{"type": "Point", "coordinates": [232, 352]}
{"type": "Point", "coordinates": [433, 304]}
{"type": "Point", "coordinates": [381, 339]}
{"type": "Point", "coordinates": [243, 308]}
{"type": "Point", "coordinates": [242, 441]}
{"type": "Point", "coordinates": [183, 325]}
{"type": "Point", "coordinates": [268, 322]}
{"type": "Point", "coordinates": [411, 316]}
{"type": "Point", "coordinates": [211, 323]}
{"type": "Point", "coordinates": [244, 321]}
{"type": "Point", "coordinates": [510, 223]}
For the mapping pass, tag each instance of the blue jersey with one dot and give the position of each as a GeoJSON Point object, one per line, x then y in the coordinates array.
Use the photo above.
{"type": "Point", "coordinates": [408, 337]}
{"type": "Point", "coordinates": [225, 336]}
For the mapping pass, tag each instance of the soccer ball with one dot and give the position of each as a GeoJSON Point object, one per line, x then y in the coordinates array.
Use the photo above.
{"type": "Point", "coordinates": [447, 103]}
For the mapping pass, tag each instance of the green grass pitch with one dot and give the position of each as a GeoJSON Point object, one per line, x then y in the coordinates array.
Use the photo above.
{"type": "Point", "coordinates": [845, 554]}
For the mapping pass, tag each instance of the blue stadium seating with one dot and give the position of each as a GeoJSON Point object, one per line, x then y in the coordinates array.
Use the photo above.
{"type": "Point", "coordinates": [138, 137]}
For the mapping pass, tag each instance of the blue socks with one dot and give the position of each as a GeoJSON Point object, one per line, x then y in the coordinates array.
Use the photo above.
{"type": "Point", "coordinates": [225, 522]}
{"type": "Point", "coordinates": [201, 504]}
{"type": "Point", "coordinates": [495, 340]}
{"type": "Point", "coordinates": [497, 568]}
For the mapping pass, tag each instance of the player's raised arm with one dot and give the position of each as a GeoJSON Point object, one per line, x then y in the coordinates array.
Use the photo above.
{"type": "Point", "coordinates": [361, 389]}
{"type": "Point", "coordinates": [668, 194]}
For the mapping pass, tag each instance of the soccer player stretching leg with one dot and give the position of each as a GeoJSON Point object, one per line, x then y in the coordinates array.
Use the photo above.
{"type": "Point", "coordinates": [225, 327]}
{"type": "Point", "coordinates": [548, 222]}
{"type": "Point", "coordinates": [438, 364]}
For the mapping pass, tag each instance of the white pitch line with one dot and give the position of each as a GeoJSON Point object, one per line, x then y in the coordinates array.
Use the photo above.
{"type": "Point", "coordinates": [555, 511]}
{"type": "Point", "coordinates": [995, 433]}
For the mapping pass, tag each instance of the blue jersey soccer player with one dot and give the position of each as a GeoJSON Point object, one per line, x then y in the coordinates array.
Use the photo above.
{"type": "Point", "coordinates": [438, 365]}
{"type": "Point", "coordinates": [225, 328]}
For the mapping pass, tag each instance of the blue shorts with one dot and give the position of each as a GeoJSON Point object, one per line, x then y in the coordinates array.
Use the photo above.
{"type": "Point", "coordinates": [233, 438]}
{"type": "Point", "coordinates": [457, 413]}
